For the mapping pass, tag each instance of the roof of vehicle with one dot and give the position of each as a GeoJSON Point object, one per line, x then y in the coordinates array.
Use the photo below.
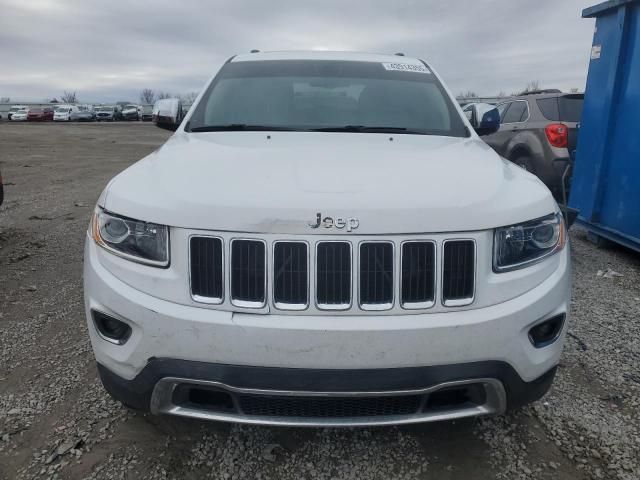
{"type": "Point", "coordinates": [325, 55]}
{"type": "Point", "coordinates": [543, 95]}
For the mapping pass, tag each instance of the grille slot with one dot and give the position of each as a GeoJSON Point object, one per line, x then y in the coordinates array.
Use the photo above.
{"type": "Point", "coordinates": [418, 274]}
{"type": "Point", "coordinates": [290, 275]}
{"type": "Point", "coordinates": [329, 407]}
{"type": "Point", "coordinates": [458, 272]}
{"type": "Point", "coordinates": [206, 265]}
{"type": "Point", "coordinates": [333, 275]}
{"type": "Point", "coordinates": [376, 275]}
{"type": "Point", "coordinates": [248, 273]}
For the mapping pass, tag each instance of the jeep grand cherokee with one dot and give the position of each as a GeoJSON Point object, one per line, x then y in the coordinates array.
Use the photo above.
{"type": "Point", "coordinates": [325, 240]}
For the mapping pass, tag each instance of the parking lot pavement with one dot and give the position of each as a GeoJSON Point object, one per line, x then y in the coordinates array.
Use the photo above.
{"type": "Point", "coordinates": [56, 421]}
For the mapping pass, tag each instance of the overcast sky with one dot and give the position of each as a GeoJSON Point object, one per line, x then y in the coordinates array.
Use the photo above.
{"type": "Point", "coordinates": [110, 50]}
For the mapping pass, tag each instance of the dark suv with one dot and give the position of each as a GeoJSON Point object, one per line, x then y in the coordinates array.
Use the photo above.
{"type": "Point", "coordinates": [536, 129]}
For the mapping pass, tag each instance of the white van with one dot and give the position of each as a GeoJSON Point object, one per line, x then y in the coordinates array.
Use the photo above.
{"type": "Point", "coordinates": [62, 113]}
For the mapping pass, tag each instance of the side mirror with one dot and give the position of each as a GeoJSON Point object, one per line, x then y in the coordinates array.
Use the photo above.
{"type": "Point", "coordinates": [485, 118]}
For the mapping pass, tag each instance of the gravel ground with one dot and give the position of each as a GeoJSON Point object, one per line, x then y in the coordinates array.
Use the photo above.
{"type": "Point", "coordinates": [56, 421]}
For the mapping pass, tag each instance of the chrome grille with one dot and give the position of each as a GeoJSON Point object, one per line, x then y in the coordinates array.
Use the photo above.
{"type": "Point", "coordinates": [290, 275]}
{"type": "Point", "coordinates": [296, 275]}
{"type": "Point", "coordinates": [376, 275]}
{"type": "Point", "coordinates": [206, 270]}
{"type": "Point", "coordinates": [333, 275]}
{"type": "Point", "coordinates": [458, 272]}
{"type": "Point", "coordinates": [248, 273]}
{"type": "Point", "coordinates": [418, 281]}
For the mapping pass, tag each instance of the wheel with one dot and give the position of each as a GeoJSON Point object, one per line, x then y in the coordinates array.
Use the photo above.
{"type": "Point", "coordinates": [525, 163]}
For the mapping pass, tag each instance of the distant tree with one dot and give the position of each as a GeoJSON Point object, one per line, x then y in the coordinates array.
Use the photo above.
{"type": "Point", "coordinates": [532, 86]}
{"type": "Point", "coordinates": [69, 97]}
{"type": "Point", "coordinates": [54, 100]}
{"type": "Point", "coordinates": [467, 94]}
{"type": "Point", "coordinates": [188, 98]}
{"type": "Point", "coordinates": [147, 96]}
{"type": "Point", "coordinates": [162, 95]}
{"type": "Point", "coordinates": [5, 99]}
{"type": "Point", "coordinates": [501, 94]}
{"type": "Point", "coordinates": [574, 90]}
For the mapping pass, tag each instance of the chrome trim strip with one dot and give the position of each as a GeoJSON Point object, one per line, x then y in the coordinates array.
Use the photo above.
{"type": "Point", "coordinates": [377, 306]}
{"type": "Point", "coordinates": [161, 403]}
{"type": "Point", "coordinates": [420, 305]}
{"type": "Point", "coordinates": [246, 303]}
{"type": "Point", "coordinates": [200, 298]}
{"type": "Point", "coordinates": [459, 302]}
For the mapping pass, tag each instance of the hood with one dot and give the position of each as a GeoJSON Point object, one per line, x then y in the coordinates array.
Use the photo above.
{"type": "Point", "coordinates": [278, 182]}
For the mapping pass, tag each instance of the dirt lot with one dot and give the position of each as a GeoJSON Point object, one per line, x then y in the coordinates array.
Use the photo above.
{"type": "Point", "coordinates": [56, 421]}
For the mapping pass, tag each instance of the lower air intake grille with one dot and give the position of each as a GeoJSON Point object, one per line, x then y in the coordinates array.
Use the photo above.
{"type": "Point", "coordinates": [290, 274]}
{"type": "Point", "coordinates": [418, 274]}
{"type": "Point", "coordinates": [248, 273]}
{"type": "Point", "coordinates": [458, 272]}
{"type": "Point", "coordinates": [332, 407]}
{"type": "Point", "coordinates": [376, 275]}
{"type": "Point", "coordinates": [333, 275]}
{"type": "Point", "coordinates": [206, 268]}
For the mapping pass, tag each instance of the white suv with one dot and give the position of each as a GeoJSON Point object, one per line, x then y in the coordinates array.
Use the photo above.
{"type": "Point", "coordinates": [325, 240]}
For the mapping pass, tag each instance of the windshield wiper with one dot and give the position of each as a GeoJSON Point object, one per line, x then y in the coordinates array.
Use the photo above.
{"type": "Point", "coordinates": [243, 127]}
{"type": "Point", "coordinates": [364, 129]}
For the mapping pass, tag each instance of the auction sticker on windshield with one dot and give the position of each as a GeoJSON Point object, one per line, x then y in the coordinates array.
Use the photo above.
{"type": "Point", "coordinates": [405, 67]}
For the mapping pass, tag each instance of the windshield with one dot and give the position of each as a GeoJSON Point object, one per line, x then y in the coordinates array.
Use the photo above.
{"type": "Point", "coordinates": [327, 96]}
{"type": "Point", "coordinates": [104, 109]}
{"type": "Point", "coordinates": [62, 109]}
{"type": "Point", "coordinates": [130, 107]}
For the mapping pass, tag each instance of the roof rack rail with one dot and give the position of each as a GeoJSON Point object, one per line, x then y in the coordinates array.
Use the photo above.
{"type": "Point", "coordinates": [254, 51]}
{"type": "Point", "coordinates": [399, 54]}
{"type": "Point", "coordinates": [544, 90]}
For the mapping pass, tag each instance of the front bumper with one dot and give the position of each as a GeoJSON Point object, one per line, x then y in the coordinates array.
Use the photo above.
{"type": "Point", "coordinates": [322, 355]}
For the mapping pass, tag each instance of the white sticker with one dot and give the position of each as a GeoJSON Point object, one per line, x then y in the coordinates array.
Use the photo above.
{"type": "Point", "coordinates": [595, 52]}
{"type": "Point", "coordinates": [405, 67]}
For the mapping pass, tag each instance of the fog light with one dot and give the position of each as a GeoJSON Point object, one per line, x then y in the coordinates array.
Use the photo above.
{"type": "Point", "coordinates": [547, 332]}
{"type": "Point", "coordinates": [111, 329]}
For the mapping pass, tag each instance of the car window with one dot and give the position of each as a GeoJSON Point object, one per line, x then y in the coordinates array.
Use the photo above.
{"type": "Point", "coordinates": [502, 108]}
{"type": "Point", "coordinates": [516, 113]}
{"type": "Point", "coordinates": [567, 108]}
{"type": "Point", "coordinates": [307, 95]}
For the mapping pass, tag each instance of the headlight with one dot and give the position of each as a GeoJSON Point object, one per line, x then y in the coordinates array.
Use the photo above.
{"type": "Point", "coordinates": [138, 241]}
{"type": "Point", "coordinates": [524, 244]}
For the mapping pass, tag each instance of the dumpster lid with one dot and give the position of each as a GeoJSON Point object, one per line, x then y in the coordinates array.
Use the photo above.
{"type": "Point", "coordinates": [597, 10]}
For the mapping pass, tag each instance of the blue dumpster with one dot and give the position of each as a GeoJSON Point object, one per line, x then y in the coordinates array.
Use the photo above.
{"type": "Point", "coordinates": [605, 187]}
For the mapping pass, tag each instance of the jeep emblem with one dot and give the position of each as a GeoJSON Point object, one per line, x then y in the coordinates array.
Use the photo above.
{"type": "Point", "coordinates": [350, 223]}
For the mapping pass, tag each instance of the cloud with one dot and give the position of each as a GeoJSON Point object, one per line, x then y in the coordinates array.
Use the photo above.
{"type": "Point", "coordinates": [108, 51]}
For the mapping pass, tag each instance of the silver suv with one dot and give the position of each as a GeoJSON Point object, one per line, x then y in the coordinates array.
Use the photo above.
{"type": "Point", "coordinates": [536, 129]}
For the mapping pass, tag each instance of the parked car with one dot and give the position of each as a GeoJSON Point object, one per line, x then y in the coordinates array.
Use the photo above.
{"type": "Point", "coordinates": [147, 113]}
{"type": "Point", "coordinates": [62, 113]}
{"type": "Point", "coordinates": [85, 113]}
{"type": "Point", "coordinates": [326, 240]}
{"type": "Point", "coordinates": [40, 114]}
{"type": "Point", "coordinates": [19, 115]}
{"type": "Point", "coordinates": [130, 112]}
{"type": "Point", "coordinates": [536, 130]}
{"type": "Point", "coordinates": [167, 113]}
{"type": "Point", "coordinates": [105, 113]}
{"type": "Point", "coordinates": [16, 108]}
